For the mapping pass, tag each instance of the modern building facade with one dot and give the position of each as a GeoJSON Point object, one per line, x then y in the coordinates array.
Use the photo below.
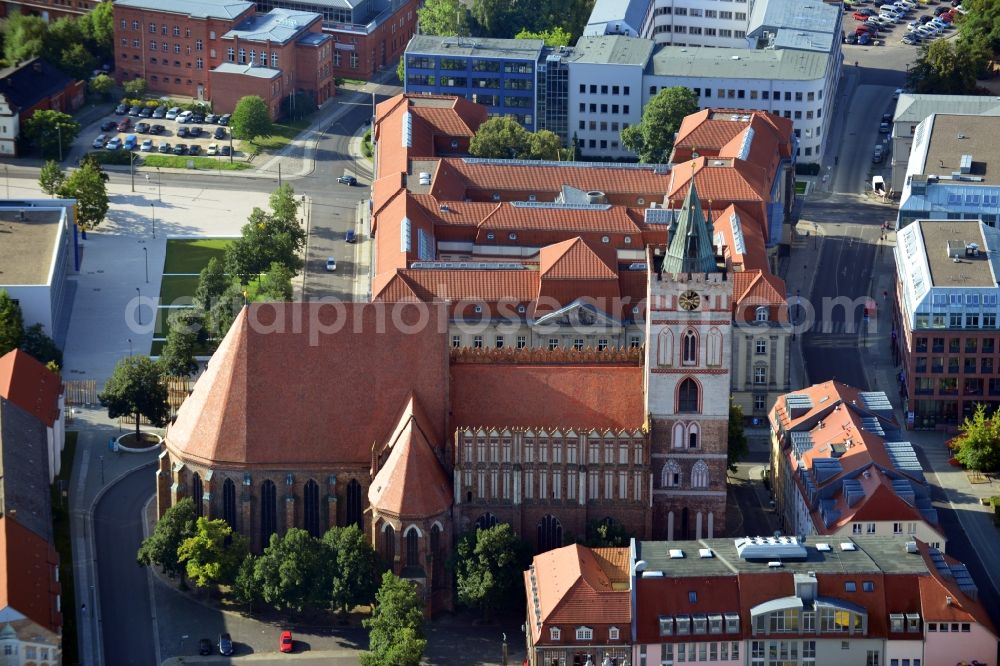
{"type": "Point", "coordinates": [839, 468]}
{"type": "Point", "coordinates": [913, 108]}
{"type": "Point", "coordinates": [500, 74]}
{"type": "Point", "coordinates": [945, 319]}
{"type": "Point", "coordinates": [949, 174]}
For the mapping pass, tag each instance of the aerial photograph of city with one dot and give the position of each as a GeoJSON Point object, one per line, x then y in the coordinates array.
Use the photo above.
{"type": "Point", "coordinates": [500, 332]}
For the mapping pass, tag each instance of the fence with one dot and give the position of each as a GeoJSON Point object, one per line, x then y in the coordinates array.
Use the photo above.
{"type": "Point", "coordinates": [83, 393]}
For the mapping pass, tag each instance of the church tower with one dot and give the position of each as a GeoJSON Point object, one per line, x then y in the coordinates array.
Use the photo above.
{"type": "Point", "coordinates": [688, 363]}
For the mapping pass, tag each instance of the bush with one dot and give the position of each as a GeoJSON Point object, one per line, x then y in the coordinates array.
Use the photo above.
{"type": "Point", "coordinates": [807, 169]}
{"type": "Point", "coordinates": [366, 144]}
{"type": "Point", "coordinates": [111, 156]}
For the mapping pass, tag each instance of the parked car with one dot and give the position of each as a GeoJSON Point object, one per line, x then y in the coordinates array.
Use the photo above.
{"type": "Point", "coordinates": [182, 131]}
{"type": "Point", "coordinates": [194, 131]}
{"type": "Point", "coordinates": [350, 236]}
{"type": "Point", "coordinates": [224, 118]}
{"type": "Point", "coordinates": [204, 647]}
{"type": "Point", "coordinates": [225, 645]}
{"type": "Point", "coordinates": [135, 111]}
{"type": "Point", "coordinates": [940, 10]}
{"type": "Point", "coordinates": [100, 140]}
{"type": "Point", "coordinates": [211, 118]}
{"type": "Point", "coordinates": [183, 116]}
{"type": "Point", "coordinates": [109, 125]}
{"type": "Point", "coordinates": [180, 149]}
{"type": "Point", "coordinates": [156, 129]}
{"type": "Point", "coordinates": [925, 19]}
{"type": "Point", "coordinates": [147, 146]}
{"type": "Point", "coordinates": [911, 39]}
{"type": "Point", "coordinates": [877, 155]}
{"type": "Point", "coordinates": [347, 180]}
{"type": "Point", "coordinates": [121, 110]}
{"type": "Point", "coordinates": [865, 39]}
{"type": "Point", "coordinates": [197, 118]}
{"type": "Point", "coordinates": [212, 149]}
{"type": "Point", "coordinates": [225, 150]}
{"type": "Point", "coordinates": [195, 149]}
{"type": "Point", "coordinates": [160, 112]}
{"type": "Point", "coordinates": [164, 147]}
{"type": "Point", "coordinates": [887, 117]}
{"type": "Point", "coordinates": [852, 38]}
{"type": "Point", "coordinates": [220, 133]}
{"type": "Point", "coordinates": [131, 142]}
{"type": "Point", "coordinates": [884, 127]}
{"type": "Point", "coordinates": [285, 643]}
{"type": "Point", "coordinates": [114, 144]}
{"type": "Point", "coordinates": [861, 16]}
{"type": "Point", "coordinates": [172, 113]}
{"type": "Point", "coordinates": [147, 112]}
{"type": "Point", "coordinates": [331, 264]}
{"type": "Point", "coordinates": [125, 125]}
{"type": "Point", "coordinates": [142, 128]}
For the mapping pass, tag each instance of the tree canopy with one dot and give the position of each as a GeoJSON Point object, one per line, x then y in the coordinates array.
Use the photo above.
{"type": "Point", "coordinates": [102, 85]}
{"type": "Point", "coordinates": [51, 178]}
{"type": "Point", "coordinates": [11, 323]}
{"type": "Point", "coordinates": [251, 119]}
{"type": "Point", "coordinates": [268, 237]}
{"type": "Point", "coordinates": [23, 37]}
{"type": "Point", "coordinates": [945, 68]}
{"type": "Point", "coordinates": [504, 138]}
{"type": "Point", "coordinates": [738, 447]}
{"type": "Point", "coordinates": [445, 18]}
{"type": "Point", "coordinates": [354, 567]}
{"type": "Point", "coordinates": [395, 628]}
{"type": "Point", "coordinates": [185, 333]}
{"type": "Point", "coordinates": [136, 388]}
{"type": "Point", "coordinates": [978, 442]}
{"type": "Point", "coordinates": [49, 130]}
{"type": "Point", "coordinates": [88, 185]}
{"type": "Point", "coordinates": [40, 346]}
{"type": "Point", "coordinates": [506, 18]}
{"type": "Point", "coordinates": [292, 572]}
{"type": "Point", "coordinates": [488, 565]}
{"type": "Point", "coordinates": [213, 553]}
{"type": "Point", "coordinates": [135, 87]}
{"type": "Point", "coordinates": [175, 526]}
{"type": "Point", "coordinates": [653, 137]}
{"type": "Point", "coordinates": [554, 37]}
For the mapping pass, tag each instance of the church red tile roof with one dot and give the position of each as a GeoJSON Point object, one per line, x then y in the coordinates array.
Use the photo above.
{"type": "Point", "coordinates": [281, 391]}
{"type": "Point", "coordinates": [411, 482]}
{"type": "Point", "coordinates": [574, 260]}
{"type": "Point", "coordinates": [28, 583]}
{"type": "Point", "coordinates": [30, 385]}
{"type": "Point", "coordinates": [570, 396]}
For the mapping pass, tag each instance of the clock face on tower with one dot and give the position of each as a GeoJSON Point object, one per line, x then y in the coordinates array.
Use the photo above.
{"type": "Point", "coordinates": [689, 300]}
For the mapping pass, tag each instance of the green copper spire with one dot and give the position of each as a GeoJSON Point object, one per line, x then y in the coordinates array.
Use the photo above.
{"type": "Point", "coordinates": [691, 249]}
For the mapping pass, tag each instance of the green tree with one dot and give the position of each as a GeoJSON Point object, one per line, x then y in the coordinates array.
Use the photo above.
{"type": "Point", "coordinates": [944, 68]}
{"type": "Point", "coordinates": [135, 87]}
{"type": "Point", "coordinates": [59, 34]}
{"type": "Point", "coordinates": [444, 18]}
{"type": "Point", "coordinates": [653, 137]}
{"type": "Point", "coordinates": [284, 206]}
{"type": "Point", "coordinates": [275, 284]}
{"type": "Point", "coordinates": [251, 119]}
{"type": "Point", "coordinates": [978, 442]}
{"type": "Point", "coordinates": [136, 388]}
{"type": "Point", "coordinates": [544, 145]}
{"type": "Point", "coordinates": [501, 138]}
{"type": "Point", "coordinates": [401, 69]}
{"type": "Point", "coordinates": [497, 18]}
{"type": "Point", "coordinates": [51, 131]}
{"type": "Point", "coordinates": [395, 629]}
{"type": "Point", "coordinates": [212, 283]}
{"type": "Point", "coordinates": [23, 37]}
{"type": "Point", "coordinates": [354, 567]}
{"type": "Point", "coordinates": [11, 323]}
{"type": "Point", "coordinates": [607, 533]}
{"type": "Point", "coordinates": [88, 186]}
{"type": "Point", "coordinates": [245, 589]}
{"type": "Point", "coordinates": [102, 85]}
{"type": "Point", "coordinates": [91, 160]}
{"type": "Point", "coordinates": [175, 526]}
{"type": "Point", "coordinates": [213, 554]}
{"type": "Point", "coordinates": [99, 28]}
{"type": "Point", "coordinates": [488, 565]}
{"type": "Point", "coordinates": [738, 447]}
{"type": "Point", "coordinates": [264, 240]}
{"type": "Point", "coordinates": [553, 37]}
{"type": "Point", "coordinates": [225, 308]}
{"type": "Point", "coordinates": [40, 346]}
{"type": "Point", "coordinates": [292, 572]}
{"type": "Point", "coordinates": [185, 331]}
{"type": "Point", "coordinates": [51, 178]}
{"type": "Point", "coordinates": [77, 61]}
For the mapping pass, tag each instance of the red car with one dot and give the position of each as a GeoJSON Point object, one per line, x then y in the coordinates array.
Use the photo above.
{"type": "Point", "coordinates": [859, 16]}
{"type": "Point", "coordinates": [286, 642]}
{"type": "Point", "coordinates": [124, 125]}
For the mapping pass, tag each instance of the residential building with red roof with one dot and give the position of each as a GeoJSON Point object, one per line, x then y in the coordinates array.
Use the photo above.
{"type": "Point", "coordinates": [30, 612]}
{"type": "Point", "coordinates": [38, 391]}
{"type": "Point", "coordinates": [839, 467]}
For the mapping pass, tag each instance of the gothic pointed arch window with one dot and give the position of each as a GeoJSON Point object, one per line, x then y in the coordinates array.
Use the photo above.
{"type": "Point", "coordinates": [671, 477]}
{"type": "Point", "coordinates": [412, 543]}
{"type": "Point", "coordinates": [714, 348]}
{"type": "Point", "coordinates": [437, 565]}
{"type": "Point", "coordinates": [687, 397]}
{"type": "Point", "coordinates": [486, 521]}
{"type": "Point", "coordinates": [353, 508]}
{"type": "Point", "coordinates": [389, 546]}
{"type": "Point", "coordinates": [665, 347]}
{"type": "Point", "coordinates": [549, 533]}
{"type": "Point", "coordinates": [693, 436]}
{"type": "Point", "coordinates": [690, 348]}
{"type": "Point", "coordinates": [197, 494]}
{"type": "Point", "coordinates": [678, 435]}
{"type": "Point", "coordinates": [268, 511]}
{"type": "Point", "coordinates": [699, 475]}
{"type": "Point", "coordinates": [310, 508]}
{"type": "Point", "coordinates": [229, 503]}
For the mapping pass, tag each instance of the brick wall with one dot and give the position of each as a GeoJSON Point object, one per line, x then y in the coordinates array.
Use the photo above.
{"type": "Point", "coordinates": [228, 88]}
{"type": "Point", "coordinates": [378, 49]}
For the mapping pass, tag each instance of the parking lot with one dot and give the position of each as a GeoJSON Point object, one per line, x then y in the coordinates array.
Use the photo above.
{"type": "Point", "coordinates": [167, 131]}
{"type": "Point", "coordinates": [909, 22]}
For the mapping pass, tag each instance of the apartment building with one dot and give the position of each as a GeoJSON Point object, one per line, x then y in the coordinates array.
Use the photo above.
{"type": "Point", "coordinates": [840, 468]}
{"type": "Point", "coordinates": [951, 173]}
{"type": "Point", "coordinates": [912, 109]}
{"type": "Point", "coordinates": [945, 319]}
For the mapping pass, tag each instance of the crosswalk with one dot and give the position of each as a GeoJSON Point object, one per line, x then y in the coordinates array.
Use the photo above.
{"type": "Point", "coordinates": [838, 328]}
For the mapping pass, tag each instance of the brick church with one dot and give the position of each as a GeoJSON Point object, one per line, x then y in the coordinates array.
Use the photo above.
{"type": "Point", "coordinates": [395, 416]}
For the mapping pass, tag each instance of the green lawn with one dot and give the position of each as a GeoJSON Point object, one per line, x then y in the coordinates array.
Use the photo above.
{"type": "Point", "coordinates": [201, 163]}
{"type": "Point", "coordinates": [64, 546]}
{"type": "Point", "coordinates": [190, 256]}
{"type": "Point", "coordinates": [282, 134]}
{"type": "Point", "coordinates": [177, 289]}
{"type": "Point", "coordinates": [800, 187]}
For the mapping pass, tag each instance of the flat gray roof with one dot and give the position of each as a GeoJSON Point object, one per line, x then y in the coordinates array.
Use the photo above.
{"type": "Point", "coordinates": [799, 15]}
{"type": "Point", "coordinates": [738, 64]}
{"type": "Point", "coordinates": [914, 108]}
{"type": "Point", "coordinates": [477, 47]}
{"type": "Point", "coordinates": [278, 25]}
{"type": "Point", "coordinates": [872, 554]}
{"type": "Point", "coordinates": [612, 50]}
{"type": "Point", "coordinates": [970, 271]}
{"type": "Point", "coordinates": [954, 136]}
{"type": "Point", "coordinates": [224, 9]}
{"type": "Point", "coordinates": [26, 246]}
{"type": "Point", "coordinates": [247, 70]}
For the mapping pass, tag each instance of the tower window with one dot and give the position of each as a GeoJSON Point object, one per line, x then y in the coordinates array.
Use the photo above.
{"type": "Point", "coordinates": [688, 396]}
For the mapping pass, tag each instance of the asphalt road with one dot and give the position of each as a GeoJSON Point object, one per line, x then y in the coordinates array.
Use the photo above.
{"type": "Point", "coordinates": [126, 631]}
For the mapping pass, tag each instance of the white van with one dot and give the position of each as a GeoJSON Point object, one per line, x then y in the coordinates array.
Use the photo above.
{"type": "Point", "coordinates": [888, 9]}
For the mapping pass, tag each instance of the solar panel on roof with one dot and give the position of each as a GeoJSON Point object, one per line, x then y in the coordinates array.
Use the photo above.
{"type": "Point", "coordinates": [801, 442]}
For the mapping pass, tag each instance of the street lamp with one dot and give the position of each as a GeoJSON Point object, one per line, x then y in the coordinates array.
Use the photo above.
{"type": "Point", "coordinates": [152, 207]}
{"type": "Point", "coordinates": [138, 311]}
{"type": "Point", "coordinates": [159, 188]}
{"type": "Point", "coordinates": [102, 469]}
{"type": "Point", "coordinates": [130, 347]}
{"type": "Point", "coordinates": [145, 255]}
